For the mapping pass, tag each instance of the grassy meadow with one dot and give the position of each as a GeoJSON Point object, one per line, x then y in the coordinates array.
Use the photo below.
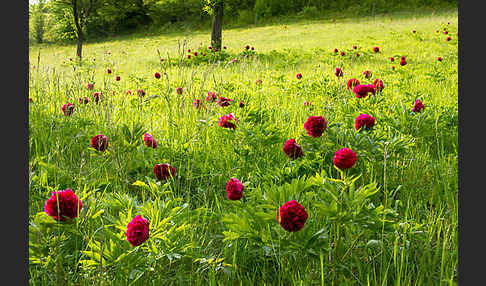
{"type": "Point", "coordinates": [391, 219]}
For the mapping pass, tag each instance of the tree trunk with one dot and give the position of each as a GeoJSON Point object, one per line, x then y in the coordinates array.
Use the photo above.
{"type": "Point", "coordinates": [79, 49]}
{"type": "Point", "coordinates": [217, 29]}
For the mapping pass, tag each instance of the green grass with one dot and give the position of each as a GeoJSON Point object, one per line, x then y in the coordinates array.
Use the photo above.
{"type": "Point", "coordinates": [408, 163]}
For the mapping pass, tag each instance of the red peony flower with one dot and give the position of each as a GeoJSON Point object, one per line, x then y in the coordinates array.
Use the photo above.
{"type": "Point", "coordinates": [140, 93]}
{"type": "Point", "coordinates": [149, 141]}
{"type": "Point", "coordinates": [315, 126]}
{"type": "Point", "coordinates": [68, 109]}
{"type": "Point", "coordinates": [344, 158]}
{"type": "Point", "coordinates": [108, 71]}
{"type": "Point", "coordinates": [189, 56]}
{"type": "Point", "coordinates": [69, 205]}
{"type": "Point", "coordinates": [355, 47]}
{"type": "Point", "coordinates": [342, 54]}
{"type": "Point", "coordinates": [376, 49]}
{"type": "Point", "coordinates": [403, 62]}
{"type": "Point", "coordinates": [84, 100]}
{"type": "Point", "coordinates": [90, 86]}
{"type": "Point", "coordinates": [414, 31]}
{"type": "Point", "coordinates": [299, 76]}
{"type": "Point", "coordinates": [393, 67]}
{"type": "Point", "coordinates": [335, 50]}
{"type": "Point", "coordinates": [157, 75]}
{"type": "Point", "coordinates": [188, 50]}
{"type": "Point", "coordinates": [224, 47]}
{"type": "Point", "coordinates": [197, 103]}
{"type": "Point", "coordinates": [242, 104]}
{"type": "Point", "coordinates": [224, 101]}
{"type": "Point", "coordinates": [179, 90]}
{"type": "Point", "coordinates": [338, 72]}
{"type": "Point", "coordinates": [402, 58]}
{"type": "Point", "coordinates": [164, 171]}
{"type": "Point", "coordinates": [418, 106]}
{"type": "Point", "coordinates": [97, 96]}
{"type": "Point", "coordinates": [364, 120]}
{"type": "Point", "coordinates": [117, 78]}
{"type": "Point", "coordinates": [225, 121]}
{"type": "Point", "coordinates": [439, 59]}
{"type": "Point", "coordinates": [362, 90]}
{"type": "Point", "coordinates": [352, 83]}
{"type": "Point", "coordinates": [446, 32]}
{"type": "Point", "coordinates": [379, 86]}
{"type": "Point", "coordinates": [195, 54]}
{"type": "Point", "coordinates": [392, 59]}
{"type": "Point", "coordinates": [210, 47]}
{"type": "Point", "coordinates": [448, 39]}
{"type": "Point", "coordinates": [247, 47]}
{"type": "Point", "coordinates": [211, 96]}
{"type": "Point", "coordinates": [292, 150]}
{"type": "Point", "coordinates": [357, 55]}
{"type": "Point", "coordinates": [234, 189]}
{"type": "Point", "coordinates": [292, 216]}
{"type": "Point", "coordinates": [367, 74]}
{"type": "Point", "coordinates": [99, 142]}
{"type": "Point", "coordinates": [137, 231]}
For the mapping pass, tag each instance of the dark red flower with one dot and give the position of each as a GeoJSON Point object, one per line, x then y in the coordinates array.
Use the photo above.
{"type": "Point", "coordinates": [292, 150]}
{"type": "Point", "coordinates": [292, 216]}
{"type": "Point", "coordinates": [195, 54]}
{"type": "Point", "coordinates": [367, 74]}
{"type": "Point", "coordinates": [137, 231]}
{"type": "Point", "coordinates": [357, 55]}
{"type": "Point", "coordinates": [446, 32]}
{"type": "Point", "coordinates": [117, 78]}
{"type": "Point", "coordinates": [189, 56]}
{"type": "Point", "coordinates": [90, 86]}
{"type": "Point", "coordinates": [392, 59]}
{"type": "Point", "coordinates": [393, 67]}
{"type": "Point", "coordinates": [439, 59]}
{"type": "Point", "coordinates": [418, 106]}
{"type": "Point", "coordinates": [179, 90]}
{"type": "Point", "coordinates": [344, 158]}
{"type": "Point", "coordinates": [402, 58]}
{"type": "Point", "coordinates": [315, 126]}
{"type": "Point", "coordinates": [149, 141]}
{"type": "Point", "coordinates": [140, 92]}
{"type": "Point", "coordinates": [403, 62]}
{"type": "Point", "coordinates": [299, 76]}
{"type": "Point", "coordinates": [338, 72]}
{"type": "Point", "coordinates": [97, 96]}
{"type": "Point", "coordinates": [364, 120]}
{"type": "Point", "coordinates": [234, 189]}
{"type": "Point", "coordinates": [210, 47]}
{"type": "Point", "coordinates": [352, 83]}
{"type": "Point", "coordinates": [225, 121]}
{"type": "Point", "coordinates": [224, 101]}
{"type": "Point", "coordinates": [84, 100]}
{"type": "Point", "coordinates": [362, 90]}
{"type": "Point", "coordinates": [129, 92]}
{"type": "Point", "coordinates": [164, 171]}
{"type": "Point", "coordinates": [247, 47]}
{"type": "Point", "coordinates": [157, 75]}
{"type": "Point", "coordinates": [342, 54]}
{"type": "Point", "coordinates": [414, 31]}
{"type": "Point", "coordinates": [197, 103]}
{"type": "Point", "coordinates": [188, 50]}
{"type": "Point", "coordinates": [211, 96]}
{"type": "Point", "coordinates": [242, 104]}
{"type": "Point", "coordinates": [68, 109]}
{"type": "Point", "coordinates": [99, 142]}
{"type": "Point", "coordinates": [224, 47]}
{"type": "Point", "coordinates": [108, 71]}
{"type": "Point", "coordinates": [376, 49]}
{"type": "Point", "coordinates": [448, 39]}
{"type": "Point", "coordinates": [31, 100]}
{"type": "Point", "coordinates": [336, 50]}
{"type": "Point", "coordinates": [379, 86]}
{"type": "Point", "coordinates": [69, 205]}
{"type": "Point", "coordinates": [355, 47]}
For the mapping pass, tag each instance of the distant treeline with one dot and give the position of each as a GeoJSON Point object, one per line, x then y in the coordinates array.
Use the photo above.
{"type": "Point", "coordinates": [51, 21]}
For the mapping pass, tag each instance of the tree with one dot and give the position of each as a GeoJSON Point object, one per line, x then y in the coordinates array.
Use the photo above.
{"type": "Point", "coordinates": [81, 10]}
{"type": "Point", "coordinates": [38, 20]}
{"type": "Point", "coordinates": [215, 8]}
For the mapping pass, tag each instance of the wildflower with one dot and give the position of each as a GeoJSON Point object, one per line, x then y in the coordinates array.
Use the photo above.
{"type": "Point", "coordinates": [364, 120]}
{"type": "Point", "coordinates": [315, 126]}
{"type": "Point", "coordinates": [225, 121]}
{"type": "Point", "coordinates": [63, 204]}
{"type": "Point", "coordinates": [68, 109]}
{"type": "Point", "coordinates": [137, 231]}
{"type": "Point", "coordinates": [344, 158]}
{"type": "Point", "coordinates": [292, 216]}
{"type": "Point", "coordinates": [149, 141]}
{"type": "Point", "coordinates": [164, 171]}
{"type": "Point", "coordinates": [99, 142]}
{"type": "Point", "coordinates": [292, 150]}
{"type": "Point", "coordinates": [234, 189]}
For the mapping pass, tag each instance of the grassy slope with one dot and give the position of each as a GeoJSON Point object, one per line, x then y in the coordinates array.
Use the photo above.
{"type": "Point", "coordinates": [428, 176]}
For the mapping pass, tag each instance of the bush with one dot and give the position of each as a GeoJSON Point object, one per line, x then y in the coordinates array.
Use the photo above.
{"type": "Point", "coordinates": [246, 17]}
{"type": "Point", "coordinates": [310, 12]}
